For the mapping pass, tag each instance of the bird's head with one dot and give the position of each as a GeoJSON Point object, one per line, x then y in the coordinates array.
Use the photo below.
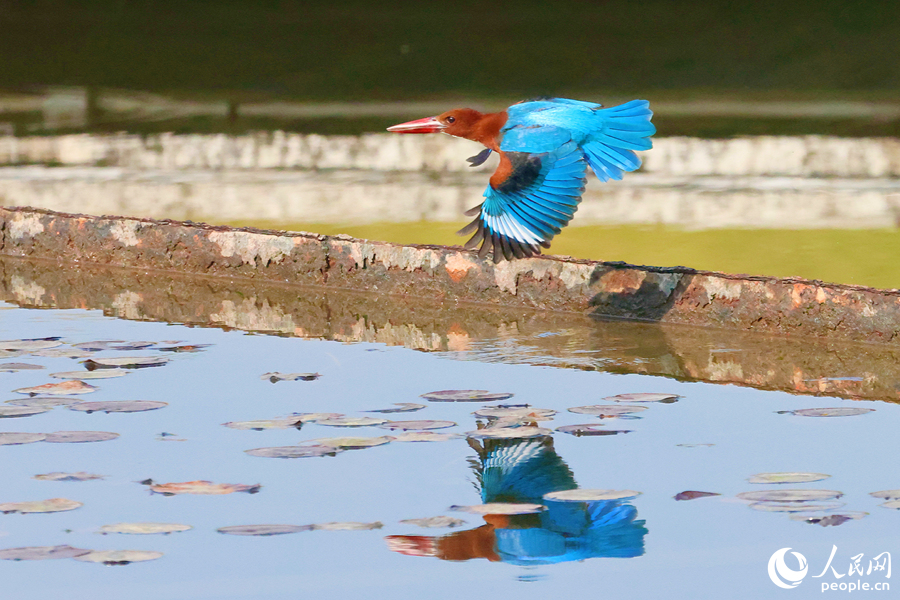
{"type": "Point", "coordinates": [459, 122]}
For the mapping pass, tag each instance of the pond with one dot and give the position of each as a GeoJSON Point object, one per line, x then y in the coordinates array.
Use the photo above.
{"type": "Point", "coordinates": [681, 514]}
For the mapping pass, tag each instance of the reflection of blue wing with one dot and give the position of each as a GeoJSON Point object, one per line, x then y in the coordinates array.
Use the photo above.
{"type": "Point", "coordinates": [530, 198]}
{"type": "Point", "coordinates": [522, 471]}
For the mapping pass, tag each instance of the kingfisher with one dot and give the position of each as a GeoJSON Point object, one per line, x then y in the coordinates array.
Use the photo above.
{"type": "Point", "coordinates": [545, 147]}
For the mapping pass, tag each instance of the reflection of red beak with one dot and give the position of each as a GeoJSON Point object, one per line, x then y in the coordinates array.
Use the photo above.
{"type": "Point", "coordinates": [426, 125]}
{"type": "Point", "coordinates": [412, 545]}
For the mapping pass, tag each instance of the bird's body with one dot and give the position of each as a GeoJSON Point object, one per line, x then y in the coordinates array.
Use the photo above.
{"type": "Point", "coordinates": [545, 147]}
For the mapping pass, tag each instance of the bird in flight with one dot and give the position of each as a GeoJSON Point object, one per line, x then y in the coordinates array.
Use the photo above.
{"type": "Point", "coordinates": [545, 147]}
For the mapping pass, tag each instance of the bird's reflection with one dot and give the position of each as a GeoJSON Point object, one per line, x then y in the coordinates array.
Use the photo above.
{"type": "Point", "coordinates": [522, 471]}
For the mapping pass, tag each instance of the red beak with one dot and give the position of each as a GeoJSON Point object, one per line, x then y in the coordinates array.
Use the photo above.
{"type": "Point", "coordinates": [426, 125]}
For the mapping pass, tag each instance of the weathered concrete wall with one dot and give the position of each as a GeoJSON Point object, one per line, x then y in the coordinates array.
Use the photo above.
{"type": "Point", "coordinates": [448, 275]}
{"type": "Point", "coordinates": [802, 156]}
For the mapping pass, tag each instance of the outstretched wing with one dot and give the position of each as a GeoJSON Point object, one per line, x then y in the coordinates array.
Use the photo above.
{"type": "Point", "coordinates": [529, 199]}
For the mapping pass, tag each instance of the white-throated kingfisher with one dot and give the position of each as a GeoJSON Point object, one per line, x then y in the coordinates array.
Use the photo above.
{"type": "Point", "coordinates": [545, 147]}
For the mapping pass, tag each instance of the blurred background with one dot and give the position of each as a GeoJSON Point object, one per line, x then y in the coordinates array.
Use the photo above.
{"type": "Point", "coordinates": [776, 151]}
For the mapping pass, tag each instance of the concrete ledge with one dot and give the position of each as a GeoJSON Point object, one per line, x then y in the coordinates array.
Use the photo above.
{"type": "Point", "coordinates": [676, 295]}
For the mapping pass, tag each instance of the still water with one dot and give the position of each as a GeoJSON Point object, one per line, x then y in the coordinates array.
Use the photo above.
{"type": "Point", "coordinates": [709, 438]}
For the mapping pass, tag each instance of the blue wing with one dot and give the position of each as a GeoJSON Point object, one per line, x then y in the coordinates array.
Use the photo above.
{"type": "Point", "coordinates": [530, 198]}
{"type": "Point", "coordinates": [608, 136]}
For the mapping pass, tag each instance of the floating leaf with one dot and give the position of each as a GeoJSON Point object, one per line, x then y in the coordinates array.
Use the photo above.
{"type": "Point", "coordinates": [465, 396]}
{"type": "Point", "coordinates": [515, 413]}
{"type": "Point", "coordinates": [263, 530]}
{"type": "Point", "coordinates": [119, 557]}
{"type": "Point", "coordinates": [40, 506]}
{"type": "Point", "coordinates": [202, 487]}
{"type": "Point", "coordinates": [73, 386]}
{"type": "Point", "coordinates": [59, 476]}
{"type": "Point", "coordinates": [508, 433]}
{"type": "Point", "coordinates": [832, 520]}
{"type": "Point", "coordinates": [841, 411]}
{"type": "Point", "coordinates": [295, 451]}
{"type": "Point", "coordinates": [891, 504]}
{"type": "Point", "coordinates": [354, 443]}
{"type": "Point", "coordinates": [14, 367]}
{"type": "Point", "coordinates": [80, 437]}
{"type": "Point", "coordinates": [789, 495]}
{"type": "Point", "coordinates": [590, 429]}
{"type": "Point", "coordinates": [43, 401]}
{"type": "Point", "coordinates": [401, 407]}
{"type": "Point", "coordinates": [118, 406]}
{"type": "Point", "coordinates": [8, 412]}
{"type": "Point", "coordinates": [276, 377]}
{"type": "Point", "coordinates": [347, 526]}
{"type": "Point", "coordinates": [125, 362]}
{"type": "Point", "coordinates": [426, 436]}
{"type": "Point", "coordinates": [887, 494]}
{"type": "Point", "coordinates": [29, 345]}
{"type": "Point", "coordinates": [260, 425]}
{"type": "Point", "coordinates": [585, 495]}
{"type": "Point", "coordinates": [351, 421]}
{"type": "Point", "coordinates": [787, 477]}
{"type": "Point", "coordinates": [314, 417]}
{"type": "Point", "coordinates": [418, 425]}
{"type": "Point", "coordinates": [500, 508]}
{"type": "Point", "coordinates": [185, 348]}
{"type": "Point", "coordinates": [62, 353]}
{"type": "Point", "coordinates": [607, 410]}
{"type": "Point", "coordinates": [794, 506]}
{"type": "Point", "coordinates": [645, 397]}
{"type": "Point", "coordinates": [127, 346]}
{"type": "Point", "coordinates": [106, 374]}
{"type": "Point", "coordinates": [144, 528]}
{"type": "Point", "coordinates": [9, 438]}
{"type": "Point", "coordinates": [97, 346]}
{"type": "Point", "coordinates": [10, 353]}
{"type": "Point", "coordinates": [41, 553]}
{"type": "Point", "coordinates": [440, 521]}
{"type": "Point", "coordinates": [693, 495]}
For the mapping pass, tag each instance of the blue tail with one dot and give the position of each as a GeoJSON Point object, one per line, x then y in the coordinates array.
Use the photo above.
{"type": "Point", "coordinates": [622, 130]}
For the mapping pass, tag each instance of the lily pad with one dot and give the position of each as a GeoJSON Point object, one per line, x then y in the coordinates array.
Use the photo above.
{"type": "Point", "coordinates": [118, 406]}
{"type": "Point", "coordinates": [347, 526]}
{"type": "Point", "coordinates": [644, 397]}
{"type": "Point", "coordinates": [354, 443]}
{"type": "Point", "coordinates": [295, 451]}
{"type": "Point", "coordinates": [29, 345]}
{"type": "Point", "coordinates": [887, 494]}
{"type": "Point", "coordinates": [315, 417]}
{"type": "Point", "coordinates": [97, 346]}
{"type": "Point", "coordinates": [119, 557]}
{"type": "Point", "coordinates": [831, 520]}
{"type": "Point", "coordinates": [790, 495]}
{"type": "Point", "coordinates": [607, 410]}
{"type": "Point", "coordinates": [263, 530]}
{"type": "Point", "coordinates": [500, 508]}
{"type": "Point", "coordinates": [9, 438]}
{"type": "Point", "coordinates": [14, 367]}
{"type": "Point", "coordinates": [41, 553]}
{"type": "Point", "coordinates": [40, 506]}
{"type": "Point", "coordinates": [508, 433]}
{"type": "Point", "coordinates": [465, 396]}
{"type": "Point", "coordinates": [62, 353]}
{"type": "Point", "coordinates": [10, 353]}
{"type": "Point", "coordinates": [440, 521]}
{"type": "Point", "coordinates": [202, 487]}
{"type": "Point", "coordinates": [145, 528]}
{"type": "Point", "coordinates": [418, 425]}
{"type": "Point", "coordinates": [106, 374]}
{"type": "Point", "coordinates": [590, 429]}
{"type": "Point", "coordinates": [125, 362]}
{"type": "Point", "coordinates": [73, 386]}
{"type": "Point", "coordinates": [585, 495]}
{"type": "Point", "coordinates": [795, 507]}
{"type": "Point", "coordinates": [401, 407]}
{"type": "Point", "coordinates": [841, 411]}
{"type": "Point", "coordinates": [44, 401]}
{"type": "Point", "coordinates": [351, 421]}
{"type": "Point", "coordinates": [185, 348]}
{"type": "Point", "coordinates": [890, 504]}
{"type": "Point", "coordinates": [693, 495]}
{"type": "Point", "coordinates": [59, 476]}
{"type": "Point", "coordinates": [787, 477]}
{"type": "Point", "coordinates": [515, 413]}
{"type": "Point", "coordinates": [8, 412]}
{"type": "Point", "coordinates": [261, 425]}
{"type": "Point", "coordinates": [80, 437]}
{"type": "Point", "coordinates": [426, 436]}
{"type": "Point", "coordinates": [276, 377]}
{"type": "Point", "coordinates": [128, 346]}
